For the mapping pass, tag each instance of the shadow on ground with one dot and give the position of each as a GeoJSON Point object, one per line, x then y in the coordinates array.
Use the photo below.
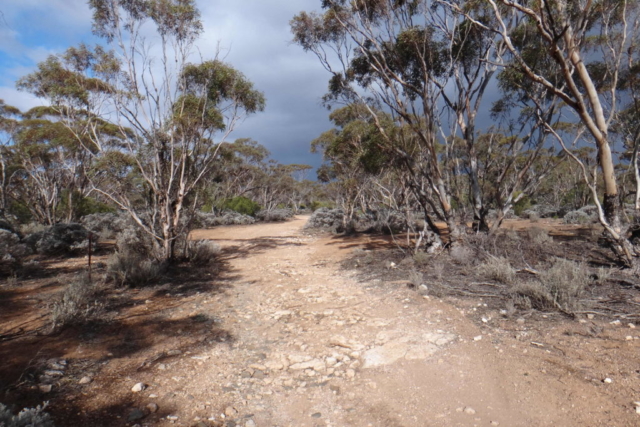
{"type": "Point", "coordinates": [131, 334]}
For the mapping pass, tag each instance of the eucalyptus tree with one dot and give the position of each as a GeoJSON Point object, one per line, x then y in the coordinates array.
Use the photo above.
{"type": "Point", "coordinates": [388, 57]}
{"type": "Point", "coordinates": [9, 124]}
{"type": "Point", "coordinates": [169, 114]}
{"type": "Point", "coordinates": [352, 156]}
{"type": "Point", "coordinates": [589, 44]}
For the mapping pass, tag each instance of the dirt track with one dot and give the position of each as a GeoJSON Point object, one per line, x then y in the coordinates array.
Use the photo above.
{"type": "Point", "coordinates": [413, 361]}
{"type": "Point", "coordinates": [288, 338]}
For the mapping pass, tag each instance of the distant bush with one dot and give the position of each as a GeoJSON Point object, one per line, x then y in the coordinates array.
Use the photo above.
{"type": "Point", "coordinates": [107, 225]}
{"type": "Point", "coordinates": [77, 304]}
{"type": "Point", "coordinates": [60, 239]}
{"type": "Point", "coordinates": [132, 269]}
{"type": "Point", "coordinates": [522, 205]}
{"type": "Point", "coordinates": [386, 221]}
{"type": "Point", "coordinates": [202, 252]}
{"type": "Point", "coordinates": [208, 220]}
{"type": "Point", "coordinates": [539, 236]}
{"type": "Point", "coordinates": [498, 269]}
{"type": "Point", "coordinates": [242, 205]}
{"type": "Point", "coordinates": [28, 417]}
{"type": "Point", "coordinates": [315, 205]}
{"type": "Point", "coordinates": [578, 217]}
{"type": "Point", "coordinates": [31, 228]}
{"type": "Point", "coordinates": [275, 215]}
{"type": "Point", "coordinates": [11, 246]}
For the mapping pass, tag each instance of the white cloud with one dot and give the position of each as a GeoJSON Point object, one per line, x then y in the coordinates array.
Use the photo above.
{"type": "Point", "coordinates": [22, 100]}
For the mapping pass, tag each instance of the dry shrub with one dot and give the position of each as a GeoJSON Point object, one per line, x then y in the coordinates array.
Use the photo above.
{"type": "Point", "coordinates": [275, 215]}
{"type": "Point", "coordinates": [77, 304]}
{"type": "Point", "coordinates": [532, 295]}
{"type": "Point", "coordinates": [462, 255]}
{"type": "Point", "coordinates": [421, 258]}
{"type": "Point", "coordinates": [132, 269]}
{"type": "Point", "coordinates": [203, 252]}
{"type": "Point", "coordinates": [325, 218]}
{"type": "Point", "coordinates": [416, 278]}
{"type": "Point", "coordinates": [498, 269]}
{"type": "Point", "coordinates": [32, 227]}
{"type": "Point", "coordinates": [562, 287]}
{"type": "Point", "coordinates": [512, 235]}
{"type": "Point", "coordinates": [28, 417]}
{"type": "Point", "coordinates": [539, 236]}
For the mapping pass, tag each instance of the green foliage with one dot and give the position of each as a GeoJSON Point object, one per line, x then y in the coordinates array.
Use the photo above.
{"type": "Point", "coordinates": [81, 205]}
{"type": "Point", "coordinates": [20, 210]}
{"type": "Point", "coordinates": [242, 205]}
{"type": "Point", "coordinates": [522, 205]}
{"type": "Point", "coordinates": [316, 204]}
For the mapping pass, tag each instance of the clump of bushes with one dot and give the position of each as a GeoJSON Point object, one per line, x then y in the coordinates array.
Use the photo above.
{"type": "Point", "coordinates": [134, 263]}
{"type": "Point", "coordinates": [106, 225]}
{"type": "Point", "coordinates": [11, 246]}
{"type": "Point", "coordinates": [132, 269]}
{"type": "Point", "coordinates": [77, 304]}
{"type": "Point", "coordinates": [421, 258]}
{"type": "Point", "coordinates": [242, 205]}
{"type": "Point", "coordinates": [578, 217]}
{"type": "Point", "coordinates": [202, 252]}
{"type": "Point", "coordinates": [275, 215]}
{"type": "Point", "coordinates": [209, 220]}
{"type": "Point", "coordinates": [326, 218]}
{"type": "Point", "coordinates": [315, 205]}
{"type": "Point", "coordinates": [387, 221]}
{"type": "Point", "coordinates": [59, 239]}
{"type": "Point", "coordinates": [539, 236]}
{"type": "Point", "coordinates": [498, 269]}
{"type": "Point", "coordinates": [28, 417]}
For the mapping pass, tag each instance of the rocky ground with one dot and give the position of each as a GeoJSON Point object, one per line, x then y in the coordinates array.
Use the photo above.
{"type": "Point", "coordinates": [289, 338]}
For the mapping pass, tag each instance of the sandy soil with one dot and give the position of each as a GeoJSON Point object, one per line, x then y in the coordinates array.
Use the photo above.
{"type": "Point", "coordinates": [283, 336]}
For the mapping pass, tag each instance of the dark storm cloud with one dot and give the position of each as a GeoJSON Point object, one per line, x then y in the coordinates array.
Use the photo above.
{"type": "Point", "coordinates": [254, 36]}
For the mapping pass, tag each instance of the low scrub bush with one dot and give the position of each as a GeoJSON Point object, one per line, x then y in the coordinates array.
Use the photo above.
{"type": "Point", "coordinates": [498, 269]}
{"type": "Point", "coordinates": [578, 217]}
{"type": "Point", "coordinates": [11, 246]}
{"type": "Point", "coordinates": [134, 240]}
{"type": "Point", "coordinates": [77, 304]}
{"type": "Point", "coordinates": [387, 221]}
{"type": "Point", "coordinates": [275, 215]}
{"type": "Point", "coordinates": [539, 236]}
{"type": "Point", "coordinates": [563, 286]}
{"type": "Point", "coordinates": [28, 417]}
{"type": "Point", "coordinates": [209, 220]}
{"type": "Point", "coordinates": [132, 269]}
{"type": "Point", "coordinates": [106, 225]}
{"type": "Point", "coordinates": [202, 252]}
{"type": "Point", "coordinates": [421, 258]}
{"type": "Point", "coordinates": [463, 255]}
{"type": "Point", "coordinates": [326, 218]}
{"type": "Point", "coordinates": [31, 228]}
{"type": "Point", "coordinates": [60, 239]}
{"type": "Point", "coordinates": [315, 205]}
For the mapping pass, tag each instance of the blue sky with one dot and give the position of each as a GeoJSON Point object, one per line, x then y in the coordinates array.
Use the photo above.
{"type": "Point", "coordinates": [254, 36]}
